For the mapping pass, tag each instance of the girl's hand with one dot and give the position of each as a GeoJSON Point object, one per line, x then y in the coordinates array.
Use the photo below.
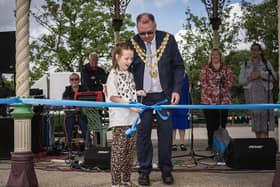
{"type": "Point", "coordinates": [141, 93]}
{"type": "Point", "coordinates": [137, 110]}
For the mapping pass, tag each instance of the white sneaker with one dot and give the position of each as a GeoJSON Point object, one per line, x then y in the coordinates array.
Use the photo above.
{"type": "Point", "coordinates": [221, 163]}
{"type": "Point", "coordinates": [127, 184]}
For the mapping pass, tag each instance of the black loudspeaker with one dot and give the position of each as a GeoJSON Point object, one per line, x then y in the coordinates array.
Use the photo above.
{"type": "Point", "coordinates": [36, 92]}
{"type": "Point", "coordinates": [37, 133]}
{"type": "Point", "coordinates": [6, 138]}
{"type": "Point", "coordinates": [37, 122]}
{"type": "Point", "coordinates": [99, 157]}
{"type": "Point", "coordinates": [251, 153]}
{"type": "Point", "coordinates": [7, 51]}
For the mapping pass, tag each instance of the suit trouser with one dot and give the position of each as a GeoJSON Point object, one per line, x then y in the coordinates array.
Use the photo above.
{"type": "Point", "coordinates": [214, 119]}
{"type": "Point", "coordinates": [144, 143]}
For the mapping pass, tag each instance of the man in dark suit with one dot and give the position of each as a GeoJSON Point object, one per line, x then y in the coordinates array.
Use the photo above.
{"type": "Point", "coordinates": [158, 69]}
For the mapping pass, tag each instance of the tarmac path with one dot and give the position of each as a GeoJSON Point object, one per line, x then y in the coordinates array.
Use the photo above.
{"type": "Point", "coordinates": [206, 174]}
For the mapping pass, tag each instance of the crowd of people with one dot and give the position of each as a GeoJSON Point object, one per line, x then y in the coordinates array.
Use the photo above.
{"type": "Point", "coordinates": [149, 68]}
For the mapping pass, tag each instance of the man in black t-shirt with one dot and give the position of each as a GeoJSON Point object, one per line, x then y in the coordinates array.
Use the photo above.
{"type": "Point", "coordinates": [93, 76]}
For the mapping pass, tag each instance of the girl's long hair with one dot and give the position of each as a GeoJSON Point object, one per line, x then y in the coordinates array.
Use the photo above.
{"type": "Point", "coordinates": [118, 51]}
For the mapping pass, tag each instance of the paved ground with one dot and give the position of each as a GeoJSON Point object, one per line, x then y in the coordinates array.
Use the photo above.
{"type": "Point", "coordinates": [186, 173]}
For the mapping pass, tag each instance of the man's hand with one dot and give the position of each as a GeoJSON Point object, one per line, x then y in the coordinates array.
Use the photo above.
{"type": "Point", "coordinates": [141, 93]}
{"type": "Point", "coordinates": [175, 98]}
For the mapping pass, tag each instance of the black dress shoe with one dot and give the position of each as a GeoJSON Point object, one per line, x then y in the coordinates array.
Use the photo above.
{"type": "Point", "coordinates": [174, 147]}
{"type": "Point", "coordinates": [183, 147]}
{"type": "Point", "coordinates": [144, 179]}
{"type": "Point", "coordinates": [167, 178]}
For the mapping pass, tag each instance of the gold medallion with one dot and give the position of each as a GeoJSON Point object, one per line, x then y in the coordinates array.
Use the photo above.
{"type": "Point", "coordinates": [153, 73]}
{"type": "Point", "coordinates": [157, 55]}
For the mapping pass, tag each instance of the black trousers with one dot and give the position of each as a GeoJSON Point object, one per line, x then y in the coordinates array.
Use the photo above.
{"type": "Point", "coordinates": [144, 144]}
{"type": "Point", "coordinates": [215, 118]}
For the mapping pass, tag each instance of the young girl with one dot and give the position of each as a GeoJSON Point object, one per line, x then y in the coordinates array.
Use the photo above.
{"type": "Point", "coordinates": [121, 89]}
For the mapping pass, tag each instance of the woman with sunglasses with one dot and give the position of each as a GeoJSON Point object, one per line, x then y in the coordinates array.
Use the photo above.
{"type": "Point", "coordinates": [71, 116]}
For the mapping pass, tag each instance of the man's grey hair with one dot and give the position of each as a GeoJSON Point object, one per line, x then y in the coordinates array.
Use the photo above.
{"type": "Point", "coordinates": [145, 17]}
{"type": "Point", "coordinates": [92, 53]}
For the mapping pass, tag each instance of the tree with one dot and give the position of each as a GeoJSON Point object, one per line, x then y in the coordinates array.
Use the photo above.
{"type": "Point", "coordinates": [237, 58]}
{"type": "Point", "coordinates": [260, 22]}
{"type": "Point", "coordinates": [75, 28]}
{"type": "Point", "coordinates": [197, 42]}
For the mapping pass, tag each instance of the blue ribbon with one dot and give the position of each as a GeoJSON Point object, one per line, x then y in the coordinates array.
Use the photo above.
{"type": "Point", "coordinates": [158, 107]}
{"type": "Point", "coordinates": [10, 101]}
{"type": "Point", "coordinates": [131, 131]}
{"type": "Point", "coordinates": [54, 102]}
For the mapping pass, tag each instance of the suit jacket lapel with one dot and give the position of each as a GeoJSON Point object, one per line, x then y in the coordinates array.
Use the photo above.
{"type": "Point", "coordinates": [140, 43]}
{"type": "Point", "coordinates": [159, 39]}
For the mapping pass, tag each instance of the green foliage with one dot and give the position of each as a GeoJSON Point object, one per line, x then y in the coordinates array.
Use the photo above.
{"type": "Point", "coordinates": [8, 85]}
{"type": "Point", "coordinates": [260, 23]}
{"type": "Point", "coordinates": [75, 28]}
{"type": "Point", "coordinates": [236, 59]}
{"type": "Point", "coordinates": [197, 44]}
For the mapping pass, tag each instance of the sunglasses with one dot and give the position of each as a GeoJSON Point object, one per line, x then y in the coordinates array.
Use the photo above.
{"type": "Point", "coordinates": [146, 33]}
{"type": "Point", "coordinates": [74, 79]}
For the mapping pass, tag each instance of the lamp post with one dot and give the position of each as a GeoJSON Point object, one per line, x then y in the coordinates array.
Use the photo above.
{"type": "Point", "coordinates": [117, 10]}
{"type": "Point", "coordinates": [22, 168]}
{"type": "Point", "coordinates": [214, 8]}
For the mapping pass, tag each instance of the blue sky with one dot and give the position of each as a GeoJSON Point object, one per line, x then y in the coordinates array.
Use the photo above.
{"type": "Point", "coordinates": [169, 14]}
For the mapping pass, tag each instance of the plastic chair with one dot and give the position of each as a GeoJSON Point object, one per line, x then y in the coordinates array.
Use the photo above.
{"type": "Point", "coordinates": [95, 116]}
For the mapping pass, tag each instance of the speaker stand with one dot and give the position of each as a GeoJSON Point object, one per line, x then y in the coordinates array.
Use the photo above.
{"type": "Point", "coordinates": [192, 153]}
{"type": "Point", "coordinates": [276, 178]}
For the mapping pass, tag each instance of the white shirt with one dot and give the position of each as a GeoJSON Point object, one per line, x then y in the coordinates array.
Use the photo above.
{"type": "Point", "coordinates": [121, 83]}
{"type": "Point", "coordinates": [155, 82]}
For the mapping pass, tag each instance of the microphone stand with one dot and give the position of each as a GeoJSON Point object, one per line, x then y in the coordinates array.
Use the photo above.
{"type": "Point", "coordinates": [221, 83]}
{"type": "Point", "coordinates": [192, 153]}
{"type": "Point", "coordinates": [268, 91]}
